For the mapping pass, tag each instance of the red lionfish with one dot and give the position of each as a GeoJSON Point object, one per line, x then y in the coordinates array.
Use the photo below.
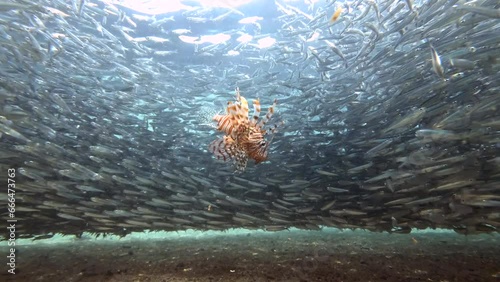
{"type": "Point", "coordinates": [244, 136]}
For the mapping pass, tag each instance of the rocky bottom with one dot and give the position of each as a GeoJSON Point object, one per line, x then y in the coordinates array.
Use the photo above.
{"type": "Point", "coordinates": [327, 255]}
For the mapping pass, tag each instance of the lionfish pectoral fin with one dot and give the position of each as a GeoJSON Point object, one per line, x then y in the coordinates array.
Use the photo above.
{"type": "Point", "coordinates": [222, 148]}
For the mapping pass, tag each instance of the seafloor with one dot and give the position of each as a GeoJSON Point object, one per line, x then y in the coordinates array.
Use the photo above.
{"type": "Point", "coordinates": [247, 255]}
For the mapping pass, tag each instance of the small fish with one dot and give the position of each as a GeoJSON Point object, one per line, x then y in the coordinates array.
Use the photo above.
{"type": "Point", "coordinates": [437, 135]}
{"type": "Point", "coordinates": [337, 51]}
{"type": "Point", "coordinates": [80, 7]}
{"type": "Point", "coordinates": [410, 4]}
{"type": "Point", "coordinates": [157, 39]}
{"type": "Point", "coordinates": [408, 121]}
{"type": "Point", "coordinates": [12, 132]}
{"type": "Point", "coordinates": [436, 62]}
{"type": "Point", "coordinates": [336, 15]}
{"type": "Point", "coordinates": [181, 31]}
{"type": "Point", "coordinates": [487, 12]}
{"type": "Point", "coordinates": [7, 6]}
{"type": "Point", "coordinates": [463, 64]}
{"type": "Point", "coordinates": [250, 20]}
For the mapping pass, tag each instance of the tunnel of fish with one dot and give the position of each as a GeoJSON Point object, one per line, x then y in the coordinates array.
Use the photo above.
{"type": "Point", "coordinates": [389, 110]}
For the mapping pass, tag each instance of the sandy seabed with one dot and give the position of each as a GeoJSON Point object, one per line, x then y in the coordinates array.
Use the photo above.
{"type": "Point", "coordinates": [327, 255]}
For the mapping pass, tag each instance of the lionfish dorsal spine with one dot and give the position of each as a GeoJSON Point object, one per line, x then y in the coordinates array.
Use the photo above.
{"type": "Point", "coordinates": [268, 116]}
{"type": "Point", "coordinates": [242, 110]}
{"type": "Point", "coordinates": [256, 112]}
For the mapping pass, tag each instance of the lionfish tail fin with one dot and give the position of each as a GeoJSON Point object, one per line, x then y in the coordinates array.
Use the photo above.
{"type": "Point", "coordinates": [206, 116]}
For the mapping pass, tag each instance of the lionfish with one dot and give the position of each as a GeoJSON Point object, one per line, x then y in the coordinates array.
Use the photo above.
{"type": "Point", "coordinates": [244, 135]}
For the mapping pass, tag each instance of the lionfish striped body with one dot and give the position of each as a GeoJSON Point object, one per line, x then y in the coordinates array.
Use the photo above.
{"type": "Point", "coordinates": [244, 136]}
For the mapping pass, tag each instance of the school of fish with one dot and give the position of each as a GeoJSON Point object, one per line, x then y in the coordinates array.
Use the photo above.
{"type": "Point", "coordinates": [388, 116]}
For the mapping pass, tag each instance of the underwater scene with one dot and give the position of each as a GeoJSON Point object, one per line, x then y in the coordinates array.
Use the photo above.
{"type": "Point", "coordinates": [250, 140]}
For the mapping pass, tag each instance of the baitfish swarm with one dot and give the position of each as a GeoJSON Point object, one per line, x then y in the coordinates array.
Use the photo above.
{"type": "Point", "coordinates": [244, 136]}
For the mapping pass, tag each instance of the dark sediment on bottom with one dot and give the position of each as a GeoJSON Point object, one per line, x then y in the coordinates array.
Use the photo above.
{"type": "Point", "coordinates": [328, 255]}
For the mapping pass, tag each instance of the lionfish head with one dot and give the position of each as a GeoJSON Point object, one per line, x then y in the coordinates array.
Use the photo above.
{"type": "Point", "coordinates": [260, 154]}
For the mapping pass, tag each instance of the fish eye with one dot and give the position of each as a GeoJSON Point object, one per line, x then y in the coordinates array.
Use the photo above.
{"type": "Point", "coordinates": [262, 144]}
